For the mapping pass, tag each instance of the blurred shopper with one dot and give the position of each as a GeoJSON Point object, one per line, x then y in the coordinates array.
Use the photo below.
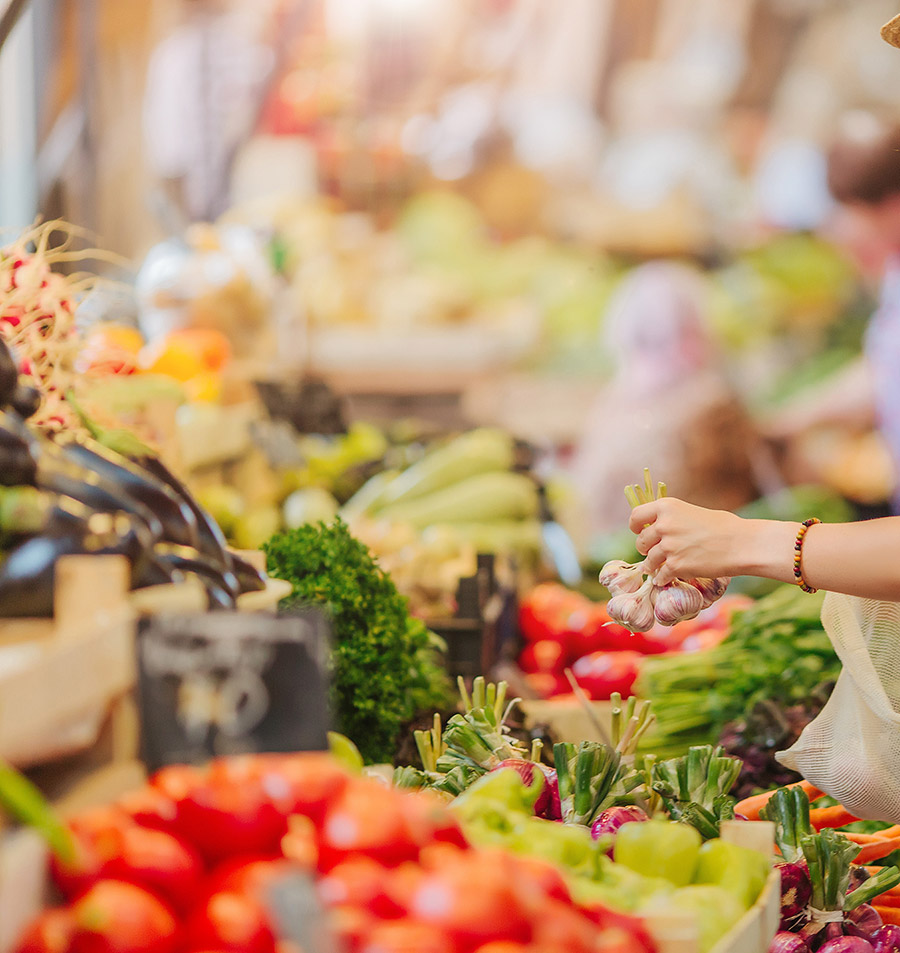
{"type": "Point", "coordinates": [683, 540]}
{"type": "Point", "coordinates": [668, 405]}
{"type": "Point", "coordinates": [200, 103]}
{"type": "Point", "coordinates": [864, 178]}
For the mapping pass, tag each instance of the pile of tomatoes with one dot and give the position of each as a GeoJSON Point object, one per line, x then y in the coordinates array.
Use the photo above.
{"type": "Point", "coordinates": [186, 865]}
{"type": "Point", "coordinates": [563, 628]}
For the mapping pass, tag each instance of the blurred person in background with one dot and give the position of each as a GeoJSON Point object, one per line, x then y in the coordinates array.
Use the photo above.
{"type": "Point", "coordinates": [668, 405]}
{"type": "Point", "coordinates": [864, 179]}
{"type": "Point", "coordinates": [202, 91]}
{"type": "Point", "coordinates": [684, 540]}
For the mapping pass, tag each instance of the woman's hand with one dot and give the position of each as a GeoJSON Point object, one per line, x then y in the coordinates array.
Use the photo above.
{"type": "Point", "coordinates": [683, 541]}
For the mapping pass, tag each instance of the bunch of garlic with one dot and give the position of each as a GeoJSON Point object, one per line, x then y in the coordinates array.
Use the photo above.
{"type": "Point", "coordinates": [637, 603]}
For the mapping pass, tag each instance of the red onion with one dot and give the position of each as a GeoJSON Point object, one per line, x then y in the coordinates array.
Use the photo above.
{"type": "Point", "coordinates": [795, 890]}
{"type": "Point", "coordinates": [847, 944]}
{"type": "Point", "coordinates": [609, 822]}
{"type": "Point", "coordinates": [865, 917]}
{"type": "Point", "coordinates": [784, 942]}
{"type": "Point", "coordinates": [548, 804]}
{"type": "Point", "coordinates": [886, 939]}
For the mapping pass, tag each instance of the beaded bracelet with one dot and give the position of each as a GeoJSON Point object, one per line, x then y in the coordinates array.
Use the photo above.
{"type": "Point", "coordinates": [798, 548]}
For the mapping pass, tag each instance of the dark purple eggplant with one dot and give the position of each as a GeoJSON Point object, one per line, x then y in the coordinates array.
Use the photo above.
{"type": "Point", "coordinates": [211, 540]}
{"type": "Point", "coordinates": [17, 461]}
{"type": "Point", "coordinates": [249, 577]}
{"type": "Point", "coordinates": [28, 572]}
{"type": "Point", "coordinates": [9, 374]}
{"type": "Point", "coordinates": [59, 475]}
{"type": "Point", "coordinates": [222, 587]}
{"type": "Point", "coordinates": [177, 517]}
{"type": "Point", "coordinates": [26, 400]}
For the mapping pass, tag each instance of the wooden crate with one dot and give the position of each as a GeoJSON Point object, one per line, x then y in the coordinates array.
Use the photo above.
{"type": "Point", "coordinates": [59, 677]}
{"type": "Point", "coordinates": [677, 932]}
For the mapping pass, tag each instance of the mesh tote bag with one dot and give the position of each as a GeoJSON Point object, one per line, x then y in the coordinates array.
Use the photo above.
{"type": "Point", "coordinates": [852, 749]}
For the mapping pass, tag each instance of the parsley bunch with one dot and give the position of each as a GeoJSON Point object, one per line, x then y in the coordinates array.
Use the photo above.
{"type": "Point", "coordinates": [385, 666]}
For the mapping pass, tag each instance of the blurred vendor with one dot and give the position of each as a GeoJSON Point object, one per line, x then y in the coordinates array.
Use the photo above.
{"type": "Point", "coordinates": [200, 99]}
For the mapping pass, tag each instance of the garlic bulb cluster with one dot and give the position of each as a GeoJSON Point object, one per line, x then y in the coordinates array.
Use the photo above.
{"type": "Point", "coordinates": [637, 603]}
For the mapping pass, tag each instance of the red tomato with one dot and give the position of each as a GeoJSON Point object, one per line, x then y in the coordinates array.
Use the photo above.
{"type": "Point", "coordinates": [149, 807]}
{"type": "Point", "coordinates": [75, 876]}
{"type": "Point", "coordinates": [118, 917]}
{"type": "Point", "coordinates": [159, 862]}
{"type": "Point", "coordinates": [603, 673]}
{"type": "Point", "coordinates": [51, 932]}
{"type": "Point", "coordinates": [351, 925]}
{"type": "Point", "coordinates": [620, 932]}
{"type": "Point", "coordinates": [224, 809]}
{"type": "Point", "coordinates": [563, 928]}
{"type": "Point", "coordinates": [506, 946]}
{"type": "Point", "coordinates": [230, 921]}
{"type": "Point", "coordinates": [407, 936]}
{"type": "Point", "coordinates": [250, 876]}
{"type": "Point", "coordinates": [473, 902]}
{"type": "Point", "coordinates": [428, 821]}
{"type": "Point", "coordinates": [545, 655]}
{"type": "Point", "coordinates": [703, 639]}
{"type": "Point", "coordinates": [359, 882]}
{"type": "Point", "coordinates": [307, 782]}
{"type": "Point", "coordinates": [545, 612]}
{"type": "Point", "coordinates": [367, 819]}
{"type": "Point", "coordinates": [548, 685]}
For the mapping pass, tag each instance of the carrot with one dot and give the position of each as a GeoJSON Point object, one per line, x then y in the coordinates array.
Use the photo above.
{"type": "Point", "coordinates": [889, 899]}
{"type": "Point", "coordinates": [880, 849]}
{"type": "Point", "coordinates": [751, 806]}
{"type": "Point", "coordinates": [863, 839]}
{"type": "Point", "coordinates": [888, 914]}
{"type": "Point", "coordinates": [836, 816]}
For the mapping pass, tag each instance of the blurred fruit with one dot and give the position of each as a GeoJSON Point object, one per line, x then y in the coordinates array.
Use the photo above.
{"type": "Point", "coordinates": [256, 526]}
{"type": "Point", "coordinates": [224, 503]}
{"type": "Point", "coordinates": [309, 505]}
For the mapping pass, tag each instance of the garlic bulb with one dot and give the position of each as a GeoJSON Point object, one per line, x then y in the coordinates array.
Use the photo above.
{"type": "Point", "coordinates": [677, 602]}
{"type": "Point", "coordinates": [619, 576]}
{"type": "Point", "coordinates": [633, 610]}
{"type": "Point", "coordinates": [711, 589]}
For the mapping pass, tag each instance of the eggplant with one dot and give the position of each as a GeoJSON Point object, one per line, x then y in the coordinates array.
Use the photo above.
{"type": "Point", "coordinates": [28, 574]}
{"type": "Point", "coordinates": [17, 461]}
{"type": "Point", "coordinates": [222, 587]}
{"type": "Point", "coordinates": [9, 374]}
{"type": "Point", "coordinates": [26, 400]}
{"type": "Point", "coordinates": [249, 578]}
{"type": "Point", "coordinates": [58, 475]}
{"type": "Point", "coordinates": [211, 540]}
{"type": "Point", "coordinates": [177, 518]}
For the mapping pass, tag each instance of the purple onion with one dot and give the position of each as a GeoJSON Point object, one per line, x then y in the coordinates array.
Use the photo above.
{"type": "Point", "coordinates": [795, 890]}
{"type": "Point", "coordinates": [847, 944]}
{"type": "Point", "coordinates": [548, 804]}
{"type": "Point", "coordinates": [886, 939]}
{"type": "Point", "coordinates": [609, 822]}
{"type": "Point", "coordinates": [865, 918]}
{"type": "Point", "coordinates": [784, 942]}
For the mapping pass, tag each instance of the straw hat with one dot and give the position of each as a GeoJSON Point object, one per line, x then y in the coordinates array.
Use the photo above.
{"type": "Point", "coordinates": [891, 31]}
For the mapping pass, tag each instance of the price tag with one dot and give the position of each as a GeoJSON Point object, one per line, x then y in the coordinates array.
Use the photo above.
{"type": "Point", "coordinates": [228, 683]}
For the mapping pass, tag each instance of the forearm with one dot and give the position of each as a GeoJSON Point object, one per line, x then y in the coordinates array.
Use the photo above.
{"type": "Point", "coordinates": [861, 559]}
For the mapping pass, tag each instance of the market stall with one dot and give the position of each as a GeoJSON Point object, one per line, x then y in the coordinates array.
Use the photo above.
{"type": "Point", "coordinates": [330, 334]}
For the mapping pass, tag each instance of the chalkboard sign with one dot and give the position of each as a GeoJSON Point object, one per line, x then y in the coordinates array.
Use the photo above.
{"type": "Point", "coordinates": [228, 683]}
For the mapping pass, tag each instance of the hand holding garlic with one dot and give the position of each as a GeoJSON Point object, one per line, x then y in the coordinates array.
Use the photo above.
{"type": "Point", "coordinates": [637, 602]}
